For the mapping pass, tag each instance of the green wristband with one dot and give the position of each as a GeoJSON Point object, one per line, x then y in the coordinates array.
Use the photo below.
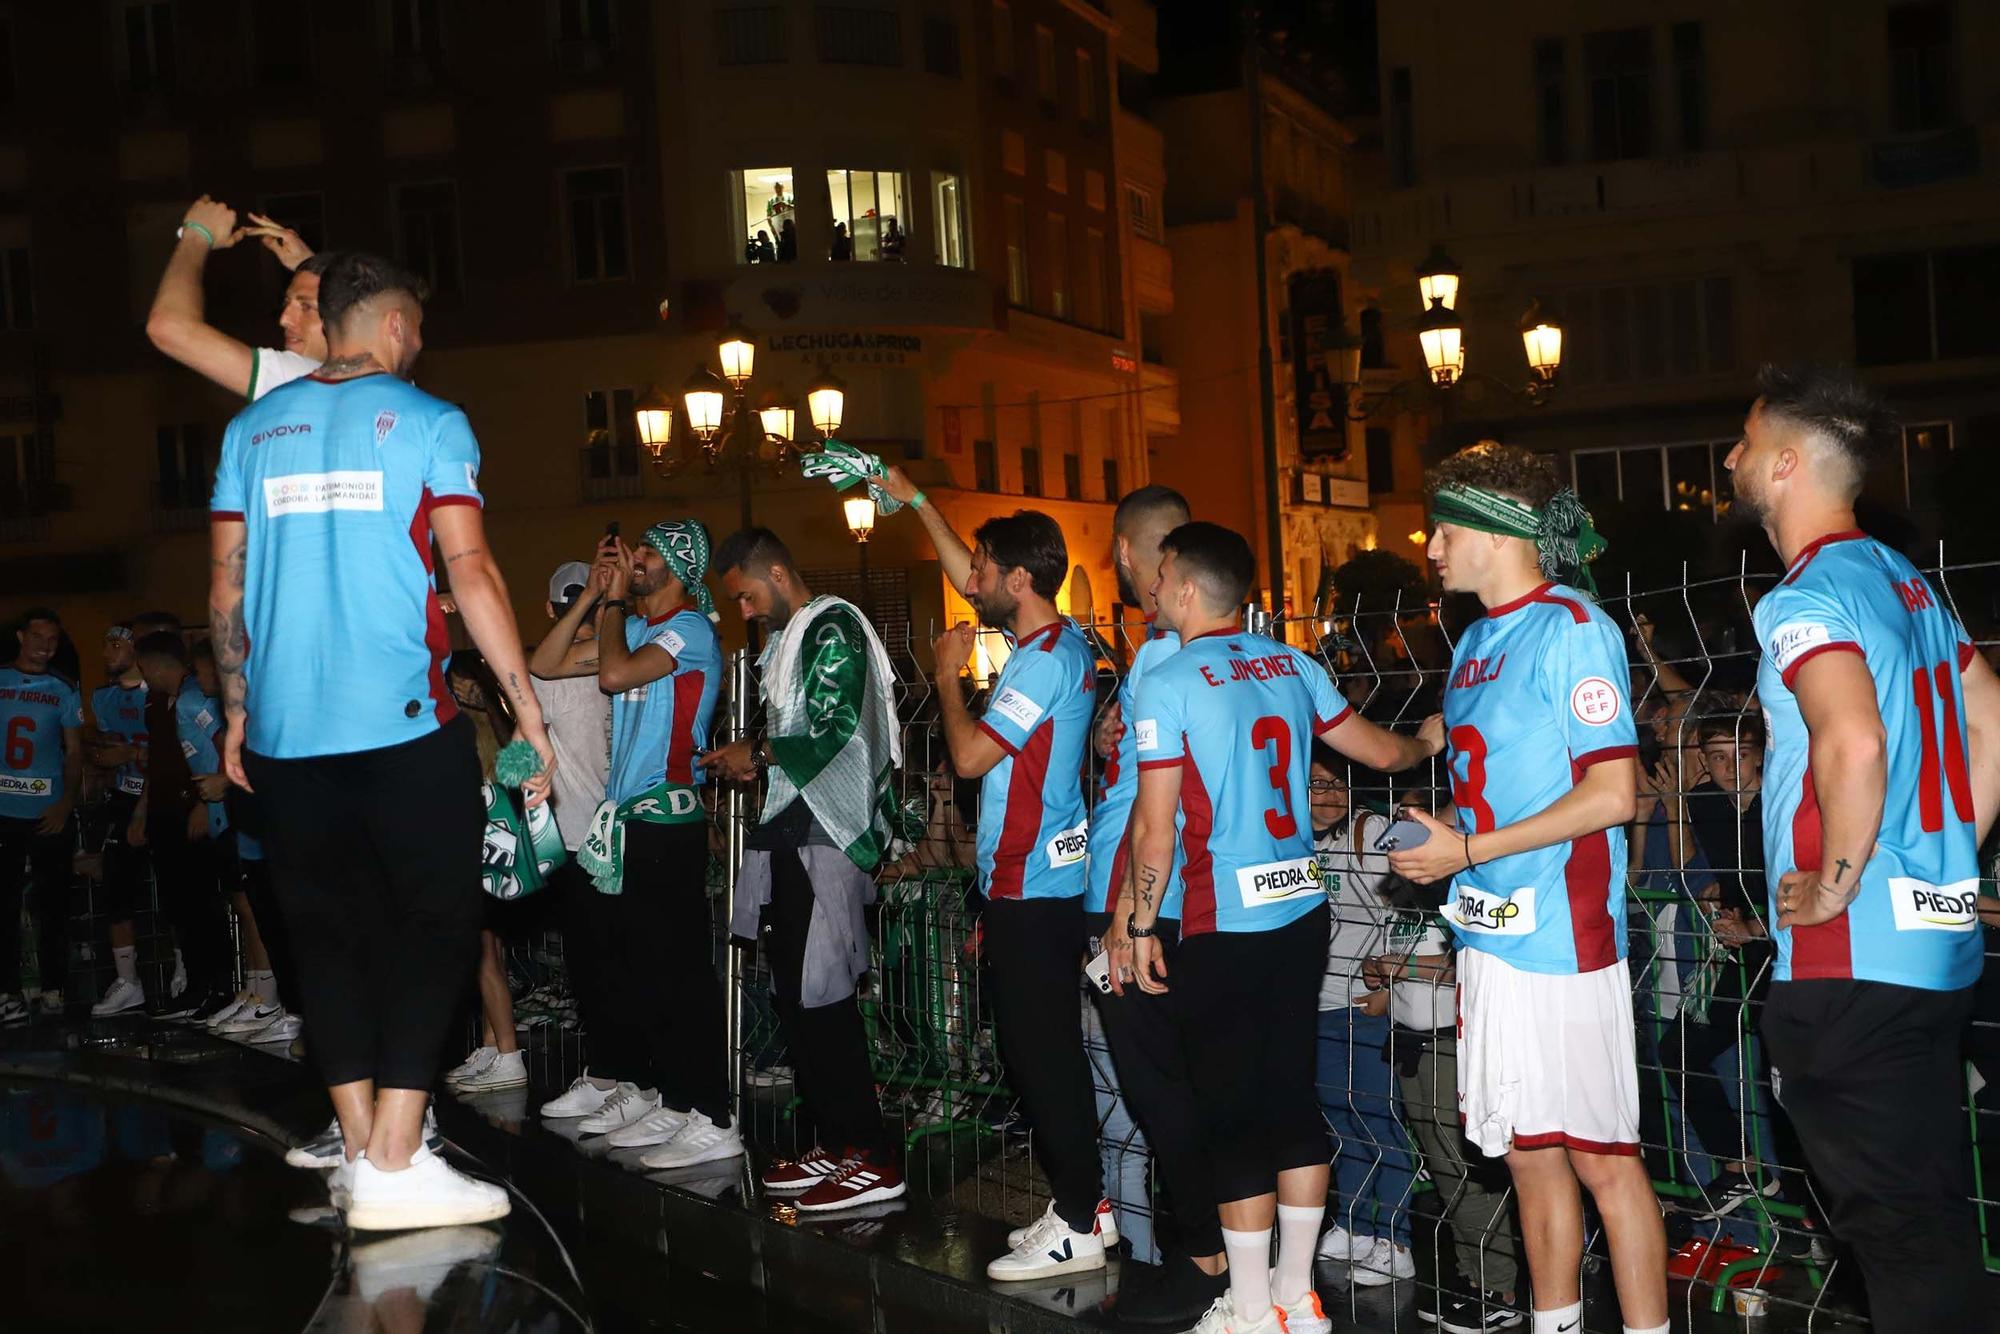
{"type": "Point", "coordinates": [190, 225]}
{"type": "Point", "coordinates": [917, 501]}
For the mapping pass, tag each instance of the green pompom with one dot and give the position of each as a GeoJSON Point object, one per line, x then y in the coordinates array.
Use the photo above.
{"type": "Point", "coordinates": [516, 764]}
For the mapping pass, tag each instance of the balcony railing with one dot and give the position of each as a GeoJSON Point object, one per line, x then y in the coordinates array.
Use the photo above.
{"type": "Point", "coordinates": [611, 472]}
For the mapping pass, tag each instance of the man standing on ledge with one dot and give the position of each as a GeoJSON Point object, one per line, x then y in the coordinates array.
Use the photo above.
{"type": "Point", "coordinates": [831, 749]}
{"type": "Point", "coordinates": [1544, 772]}
{"type": "Point", "coordinates": [331, 646]}
{"type": "Point", "coordinates": [1880, 785]}
{"type": "Point", "coordinates": [1034, 838]}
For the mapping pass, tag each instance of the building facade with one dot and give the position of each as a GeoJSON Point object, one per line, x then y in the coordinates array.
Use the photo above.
{"type": "Point", "coordinates": [1690, 197]}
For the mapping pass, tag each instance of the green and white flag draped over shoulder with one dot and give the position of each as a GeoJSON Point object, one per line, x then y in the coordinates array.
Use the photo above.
{"type": "Point", "coordinates": [829, 691]}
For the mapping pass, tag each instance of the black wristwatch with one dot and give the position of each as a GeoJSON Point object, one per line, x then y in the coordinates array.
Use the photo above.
{"type": "Point", "coordinates": [609, 603]}
{"type": "Point", "coordinates": [1137, 932]}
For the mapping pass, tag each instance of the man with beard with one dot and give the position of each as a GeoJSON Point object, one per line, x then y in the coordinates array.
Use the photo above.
{"type": "Point", "coordinates": [648, 844]}
{"type": "Point", "coordinates": [1028, 751]}
{"type": "Point", "coordinates": [1881, 782]}
{"type": "Point", "coordinates": [41, 773]}
{"type": "Point", "coordinates": [830, 748]}
{"type": "Point", "coordinates": [330, 645]}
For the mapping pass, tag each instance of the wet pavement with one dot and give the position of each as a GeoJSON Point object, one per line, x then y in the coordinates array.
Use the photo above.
{"type": "Point", "coordinates": [142, 1187]}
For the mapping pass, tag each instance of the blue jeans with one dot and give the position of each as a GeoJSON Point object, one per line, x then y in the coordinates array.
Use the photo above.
{"type": "Point", "coordinates": [1372, 1165]}
{"type": "Point", "coordinates": [1123, 1149]}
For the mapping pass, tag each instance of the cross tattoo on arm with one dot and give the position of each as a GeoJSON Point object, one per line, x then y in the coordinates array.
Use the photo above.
{"type": "Point", "coordinates": [1840, 869]}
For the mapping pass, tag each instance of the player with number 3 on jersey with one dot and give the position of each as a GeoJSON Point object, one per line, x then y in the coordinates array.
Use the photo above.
{"type": "Point", "coordinates": [1223, 734]}
{"type": "Point", "coordinates": [1544, 772]}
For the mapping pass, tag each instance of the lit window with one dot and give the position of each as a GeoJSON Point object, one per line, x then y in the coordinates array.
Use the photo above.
{"type": "Point", "coordinates": [767, 215]}
{"type": "Point", "coordinates": [868, 214]}
{"type": "Point", "coordinates": [948, 220]}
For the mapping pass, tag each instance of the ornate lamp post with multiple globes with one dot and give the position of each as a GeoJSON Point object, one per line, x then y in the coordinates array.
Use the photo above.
{"type": "Point", "coordinates": [717, 420]}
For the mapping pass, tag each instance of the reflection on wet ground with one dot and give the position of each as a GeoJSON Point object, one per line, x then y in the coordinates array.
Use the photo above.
{"type": "Point", "coordinates": [142, 1187]}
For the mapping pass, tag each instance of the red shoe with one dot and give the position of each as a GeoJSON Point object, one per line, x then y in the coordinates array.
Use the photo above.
{"type": "Point", "coordinates": [861, 1180]}
{"type": "Point", "coordinates": [786, 1175]}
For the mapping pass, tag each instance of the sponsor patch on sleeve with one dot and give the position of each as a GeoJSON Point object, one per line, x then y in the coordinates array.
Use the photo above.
{"type": "Point", "coordinates": [1017, 708]}
{"type": "Point", "coordinates": [1594, 701]}
{"type": "Point", "coordinates": [672, 642]}
{"type": "Point", "coordinates": [1147, 733]}
{"type": "Point", "coordinates": [1791, 642]}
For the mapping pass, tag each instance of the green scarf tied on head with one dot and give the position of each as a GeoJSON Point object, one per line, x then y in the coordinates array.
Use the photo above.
{"type": "Point", "coordinates": [1565, 539]}
{"type": "Point", "coordinates": [683, 545]}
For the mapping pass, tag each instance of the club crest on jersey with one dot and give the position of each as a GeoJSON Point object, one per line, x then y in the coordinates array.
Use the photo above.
{"type": "Point", "coordinates": [1595, 701]}
{"type": "Point", "coordinates": [385, 422]}
{"type": "Point", "coordinates": [1275, 882]}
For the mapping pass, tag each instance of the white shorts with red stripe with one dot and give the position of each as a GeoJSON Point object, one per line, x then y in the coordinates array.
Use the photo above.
{"type": "Point", "coordinates": [1546, 1060]}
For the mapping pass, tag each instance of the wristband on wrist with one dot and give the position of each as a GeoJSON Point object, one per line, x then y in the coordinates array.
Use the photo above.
{"type": "Point", "coordinates": [1469, 863]}
{"type": "Point", "coordinates": [190, 225]}
{"type": "Point", "coordinates": [609, 603]}
{"type": "Point", "coordinates": [917, 501]}
{"type": "Point", "coordinates": [1137, 932]}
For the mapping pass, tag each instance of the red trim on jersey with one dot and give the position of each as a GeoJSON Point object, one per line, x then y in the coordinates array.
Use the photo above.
{"type": "Point", "coordinates": [476, 502]}
{"type": "Point", "coordinates": [1023, 823]}
{"type": "Point", "coordinates": [1052, 629]}
{"type": "Point", "coordinates": [1211, 634]}
{"type": "Point", "coordinates": [1197, 862]}
{"type": "Point", "coordinates": [1587, 880]}
{"type": "Point", "coordinates": [436, 637]}
{"type": "Point", "coordinates": [1321, 725]}
{"type": "Point", "coordinates": [1791, 673]}
{"type": "Point", "coordinates": [998, 740]}
{"type": "Point", "coordinates": [1813, 548]}
{"type": "Point", "coordinates": [1966, 653]}
{"type": "Point", "coordinates": [1590, 757]}
{"type": "Point", "coordinates": [1519, 602]}
{"type": "Point", "coordinates": [1562, 1139]}
{"type": "Point", "coordinates": [236, 516]}
{"type": "Point", "coordinates": [1119, 861]}
{"type": "Point", "coordinates": [1576, 609]}
{"type": "Point", "coordinates": [680, 746]}
{"type": "Point", "coordinates": [1825, 950]}
{"type": "Point", "coordinates": [667, 615]}
{"type": "Point", "coordinates": [1174, 763]}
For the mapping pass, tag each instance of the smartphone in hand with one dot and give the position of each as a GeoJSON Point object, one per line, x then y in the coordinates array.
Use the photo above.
{"type": "Point", "coordinates": [1402, 835]}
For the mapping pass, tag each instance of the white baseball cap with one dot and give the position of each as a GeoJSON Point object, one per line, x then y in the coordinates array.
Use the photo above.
{"type": "Point", "coordinates": [568, 581]}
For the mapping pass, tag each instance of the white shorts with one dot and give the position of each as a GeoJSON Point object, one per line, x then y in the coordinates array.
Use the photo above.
{"type": "Point", "coordinates": [1546, 1059]}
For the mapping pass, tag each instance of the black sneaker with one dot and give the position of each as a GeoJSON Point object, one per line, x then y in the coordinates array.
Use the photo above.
{"type": "Point", "coordinates": [1429, 1300]}
{"type": "Point", "coordinates": [1176, 1296]}
{"type": "Point", "coordinates": [179, 1008]}
{"type": "Point", "coordinates": [1729, 1190]}
{"type": "Point", "coordinates": [1477, 1315]}
{"type": "Point", "coordinates": [208, 1006]}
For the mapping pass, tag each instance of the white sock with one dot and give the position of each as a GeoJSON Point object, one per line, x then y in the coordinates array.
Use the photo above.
{"type": "Point", "coordinates": [1298, 1239]}
{"type": "Point", "coordinates": [264, 984]}
{"type": "Point", "coordinates": [1562, 1320]}
{"type": "Point", "coordinates": [1249, 1272]}
{"type": "Point", "coordinates": [1664, 1327]}
{"type": "Point", "coordinates": [126, 957]}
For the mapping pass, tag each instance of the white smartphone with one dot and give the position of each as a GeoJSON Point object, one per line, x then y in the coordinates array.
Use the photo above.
{"type": "Point", "coordinates": [1098, 970]}
{"type": "Point", "coordinates": [1401, 835]}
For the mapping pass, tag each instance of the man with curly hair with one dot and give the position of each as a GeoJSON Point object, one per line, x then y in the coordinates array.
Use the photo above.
{"type": "Point", "coordinates": [1544, 773]}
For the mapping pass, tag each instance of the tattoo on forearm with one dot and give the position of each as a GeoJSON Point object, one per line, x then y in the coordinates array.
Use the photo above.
{"type": "Point", "coordinates": [1840, 869]}
{"type": "Point", "coordinates": [1150, 880]}
{"type": "Point", "coordinates": [458, 556]}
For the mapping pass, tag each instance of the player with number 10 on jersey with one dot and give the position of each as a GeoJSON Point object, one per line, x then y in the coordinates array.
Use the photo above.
{"type": "Point", "coordinates": [1223, 732]}
{"type": "Point", "coordinates": [1881, 781]}
{"type": "Point", "coordinates": [1544, 774]}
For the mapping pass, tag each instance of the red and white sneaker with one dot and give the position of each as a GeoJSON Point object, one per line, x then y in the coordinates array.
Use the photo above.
{"type": "Point", "coordinates": [859, 1181]}
{"type": "Point", "coordinates": [1107, 1226]}
{"type": "Point", "coordinates": [786, 1175]}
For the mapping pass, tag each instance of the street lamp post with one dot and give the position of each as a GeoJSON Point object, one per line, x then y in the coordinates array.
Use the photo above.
{"type": "Point", "coordinates": [860, 512]}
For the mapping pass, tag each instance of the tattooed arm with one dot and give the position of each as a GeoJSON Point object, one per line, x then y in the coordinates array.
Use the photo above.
{"type": "Point", "coordinates": [1150, 859]}
{"type": "Point", "coordinates": [559, 655]}
{"type": "Point", "coordinates": [228, 542]}
{"type": "Point", "coordinates": [1849, 763]}
{"type": "Point", "coordinates": [489, 619]}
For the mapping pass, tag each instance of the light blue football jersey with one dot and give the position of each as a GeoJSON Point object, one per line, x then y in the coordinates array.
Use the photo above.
{"type": "Point", "coordinates": [198, 724]}
{"type": "Point", "coordinates": [1914, 922]}
{"type": "Point", "coordinates": [1539, 692]}
{"type": "Point", "coordinates": [1112, 815]}
{"type": "Point", "coordinates": [1034, 837]}
{"type": "Point", "coordinates": [1236, 714]}
{"type": "Point", "coordinates": [120, 714]}
{"type": "Point", "coordinates": [34, 710]}
{"type": "Point", "coordinates": [336, 482]}
{"type": "Point", "coordinates": [658, 728]}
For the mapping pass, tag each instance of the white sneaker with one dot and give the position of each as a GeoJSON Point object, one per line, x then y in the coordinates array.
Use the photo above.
{"type": "Point", "coordinates": [507, 1070]}
{"type": "Point", "coordinates": [625, 1105]}
{"type": "Point", "coordinates": [340, 1181]}
{"type": "Point", "coordinates": [247, 1017]}
{"type": "Point", "coordinates": [1338, 1246]}
{"type": "Point", "coordinates": [1221, 1318]}
{"type": "Point", "coordinates": [1107, 1225]}
{"type": "Point", "coordinates": [418, 1261]}
{"type": "Point", "coordinates": [579, 1099]}
{"type": "Point", "coordinates": [119, 997]}
{"type": "Point", "coordinates": [281, 1029]}
{"type": "Point", "coordinates": [700, 1141]}
{"type": "Point", "coordinates": [655, 1127]}
{"type": "Point", "coordinates": [326, 1149]}
{"type": "Point", "coordinates": [1383, 1262]}
{"type": "Point", "coordinates": [471, 1065]}
{"type": "Point", "coordinates": [1047, 1249]}
{"type": "Point", "coordinates": [1306, 1315]}
{"type": "Point", "coordinates": [228, 1011]}
{"type": "Point", "coordinates": [427, 1193]}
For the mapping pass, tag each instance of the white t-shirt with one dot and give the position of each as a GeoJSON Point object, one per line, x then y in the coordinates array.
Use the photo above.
{"type": "Point", "coordinates": [1352, 879]}
{"type": "Point", "coordinates": [1416, 1003]}
{"type": "Point", "coordinates": [578, 716]}
{"type": "Point", "coordinates": [272, 366]}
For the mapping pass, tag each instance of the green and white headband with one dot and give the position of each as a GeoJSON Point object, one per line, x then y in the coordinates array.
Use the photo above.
{"type": "Point", "coordinates": [1566, 541]}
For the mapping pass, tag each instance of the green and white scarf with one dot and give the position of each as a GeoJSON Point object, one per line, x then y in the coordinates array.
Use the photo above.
{"type": "Point", "coordinates": [829, 693]}
{"type": "Point", "coordinates": [844, 465]}
{"type": "Point", "coordinates": [1566, 541]}
{"type": "Point", "coordinates": [602, 852]}
{"type": "Point", "coordinates": [511, 828]}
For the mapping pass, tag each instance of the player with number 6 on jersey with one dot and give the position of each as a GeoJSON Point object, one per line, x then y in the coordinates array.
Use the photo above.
{"type": "Point", "coordinates": [1223, 732]}
{"type": "Point", "coordinates": [1544, 771]}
